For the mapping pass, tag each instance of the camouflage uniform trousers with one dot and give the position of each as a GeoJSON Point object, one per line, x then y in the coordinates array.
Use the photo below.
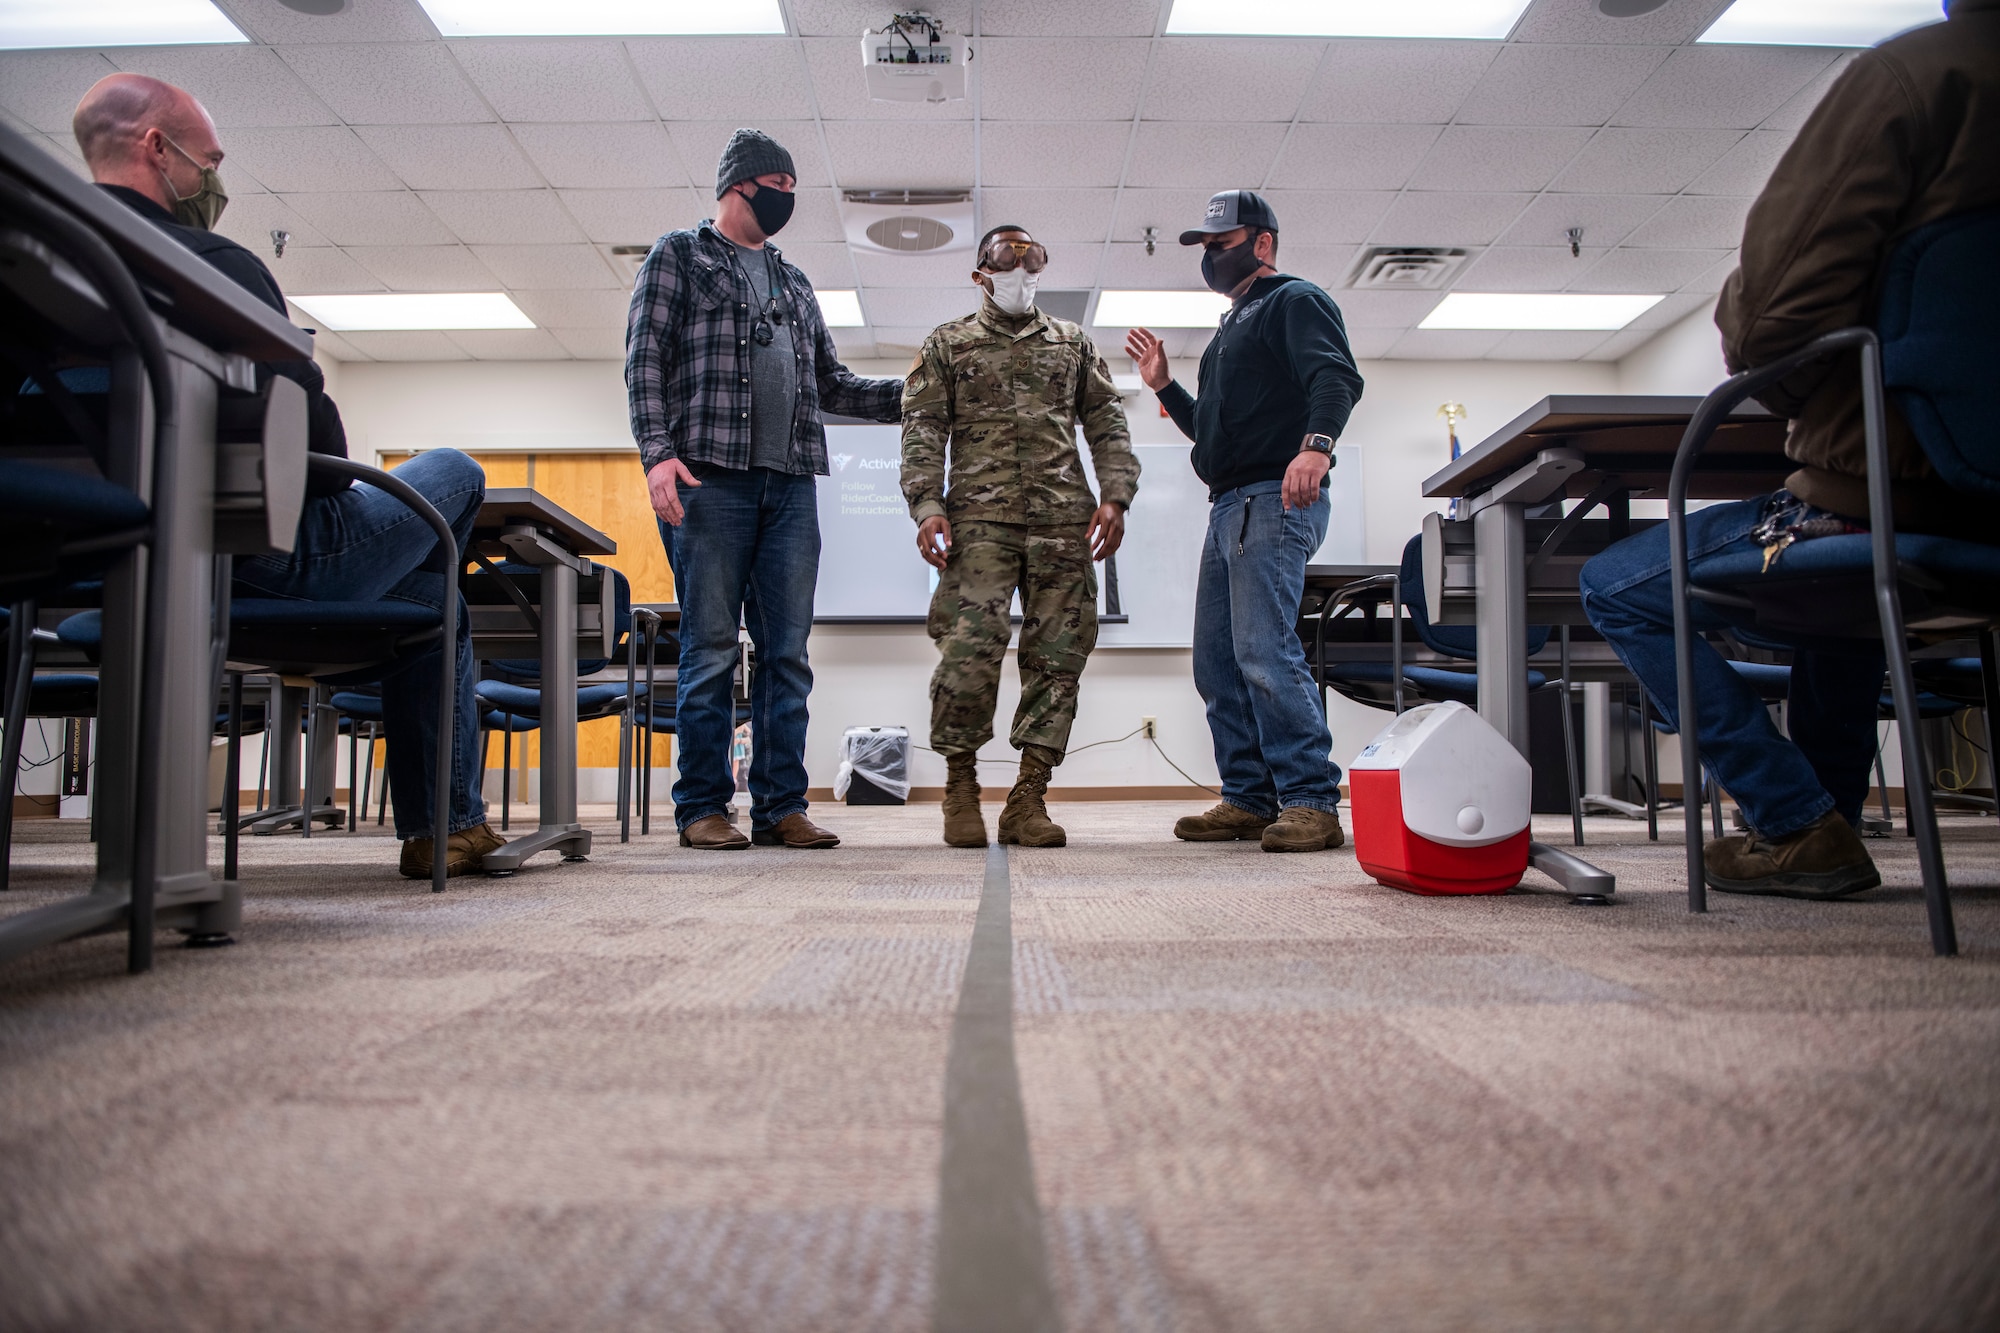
{"type": "Point", "coordinates": [969, 622]}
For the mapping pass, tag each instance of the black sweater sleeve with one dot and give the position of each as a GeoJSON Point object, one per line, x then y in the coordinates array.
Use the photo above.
{"type": "Point", "coordinates": [1314, 339]}
{"type": "Point", "coordinates": [1180, 406]}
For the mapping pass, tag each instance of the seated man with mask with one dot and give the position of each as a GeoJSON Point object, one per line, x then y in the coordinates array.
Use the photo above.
{"type": "Point", "coordinates": [153, 147]}
{"type": "Point", "coordinates": [1004, 389]}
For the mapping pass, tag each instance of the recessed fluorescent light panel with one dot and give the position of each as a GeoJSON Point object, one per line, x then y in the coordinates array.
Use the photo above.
{"type": "Point", "coordinates": [39, 24]}
{"type": "Point", "coordinates": [1536, 310]}
{"type": "Point", "coordinates": [840, 310]}
{"type": "Point", "coordinates": [414, 310]}
{"type": "Point", "coordinates": [603, 18]}
{"type": "Point", "coordinates": [1491, 19]}
{"type": "Point", "coordinates": [1159, 310]}
{"type": "Point", "coordinates": [1819, 22]}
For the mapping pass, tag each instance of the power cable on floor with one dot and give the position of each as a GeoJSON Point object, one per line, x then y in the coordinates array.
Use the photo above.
{"type": "Point", "coordinates": [1154, 741]}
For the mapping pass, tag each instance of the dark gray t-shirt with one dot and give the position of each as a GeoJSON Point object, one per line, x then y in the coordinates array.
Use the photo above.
{"type": "Point", "coordinates": [774, 374]}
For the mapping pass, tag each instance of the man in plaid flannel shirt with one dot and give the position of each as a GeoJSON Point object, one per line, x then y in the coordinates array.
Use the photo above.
{"type": "Point", "coordinates": [728, 366]}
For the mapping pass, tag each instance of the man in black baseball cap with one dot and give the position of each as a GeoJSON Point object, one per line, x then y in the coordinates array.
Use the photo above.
{"type": "Point", "coordinates": [1263, 441]}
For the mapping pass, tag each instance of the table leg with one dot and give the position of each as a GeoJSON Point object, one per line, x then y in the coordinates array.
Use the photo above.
{"type": "Point", "coordinates": [1500, 555]}
{"type": "Point", "coordinates": [559, 829]}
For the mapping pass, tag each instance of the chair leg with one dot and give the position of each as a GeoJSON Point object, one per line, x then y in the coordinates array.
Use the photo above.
{"type": "Point", "coordinates": [1649, 741]}
{"type": "Point", "coordinates": [232, 779]}
{"type": "Point", "coordinates": [1714, 807]}
{"type": "Point", "coordinates": [1989, 683]}
{"type": "Point", "coordinates": [1569, 748]}
{"type": "Point", "coordinates": [506, 771]}
{"type": "Point", "coordinates": [368, 774]}
{"type": "Point", "coordinates": [382, 796]}
{"type": "Point", "coordinates": [353, 775]}
{"type": "Point", "coordinates": [308, 796]}
{"type": "Point", "coordinates": [20, 680]}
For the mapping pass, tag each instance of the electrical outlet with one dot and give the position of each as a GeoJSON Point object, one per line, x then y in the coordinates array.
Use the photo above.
{"type": "Point", "coordinates": [1151, 726]}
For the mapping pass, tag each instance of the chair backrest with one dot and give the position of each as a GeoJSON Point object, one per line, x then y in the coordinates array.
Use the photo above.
{"type": "Point", "coordinates": [529, 670]}
{"type": "Point", "coordinates": [1460, 641]}
{"type": "Point", "coordinates": [1941, 344]}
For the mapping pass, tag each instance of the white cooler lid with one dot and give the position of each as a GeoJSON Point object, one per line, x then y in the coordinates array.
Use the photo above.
{"type": "Point", "coordinates": [1463, 785]}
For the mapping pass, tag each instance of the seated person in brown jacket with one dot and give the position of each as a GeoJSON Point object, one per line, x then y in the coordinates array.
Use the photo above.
{"type": "Point", "coordinates": [1908, 135]}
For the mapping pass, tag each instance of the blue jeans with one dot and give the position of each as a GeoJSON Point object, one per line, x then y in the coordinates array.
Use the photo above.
{"type": "Point", "coordinates": [365, 545]}
{"type": "Point", "coordinates": [747, 553]}
{"type": "Point", "coordinates": [1782, 785]}
{"type": "Point", "coordinates": [1271, 741]}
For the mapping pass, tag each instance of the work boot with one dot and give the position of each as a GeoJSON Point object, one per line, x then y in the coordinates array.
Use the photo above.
{"type": "Point", "coordinates": [714, 833]}
{"type": "Point", "coordinates": [795, 831]}
{"type": "Point", "coordinates": [1825, 859]}
{"type": "Point", "coordinates": [964, 826]}
{"type": "Point", "coordinates": [464, 851]}
{"type": "Point", "coordinates": [1025, 819]}
{"type": "Point", "coordinates": [1225, 823]}
{"type": "Point", "coordinates": [1300, 828]}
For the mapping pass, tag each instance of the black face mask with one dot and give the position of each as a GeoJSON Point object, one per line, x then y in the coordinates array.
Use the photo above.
{"type": "Point", "coordinates": [772, 208]}
{"type": "Point", "coordinates": [1224, 270]}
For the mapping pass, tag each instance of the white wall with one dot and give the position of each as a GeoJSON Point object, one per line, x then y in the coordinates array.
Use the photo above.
{"type": "Point", "coordinates": [1685, 358]}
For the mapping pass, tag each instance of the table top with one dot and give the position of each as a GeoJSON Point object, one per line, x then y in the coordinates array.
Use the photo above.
{"type": "Point", "coordinates": [1633, 436]}
{"type": "Point", "coordinates": [196, 298]}
{"type": "Point", "coordinates": [1318, 575]}
{"type": "Point", "coordinates": [521, 504]}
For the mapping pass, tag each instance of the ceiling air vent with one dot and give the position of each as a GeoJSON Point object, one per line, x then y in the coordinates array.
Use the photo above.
{"type": "Point", "coordinates": [909, 233]}
{"type": "Point", "coordinates": [1405, 267]}
{"type": "Point", "coordinates": [908, 222]}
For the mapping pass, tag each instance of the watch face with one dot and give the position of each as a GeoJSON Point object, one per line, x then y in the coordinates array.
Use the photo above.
{"type": "Point", "coordinates": [1319, 443]}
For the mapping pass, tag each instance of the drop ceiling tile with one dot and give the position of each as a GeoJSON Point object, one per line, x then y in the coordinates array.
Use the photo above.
{"type": "Point", "coordinates": [1711, 281]}
{"type": "Point", "coordinates": [240, 85]}
{"type": "Point", "coordinates": [632, 217]}
{"type": "Point", "coordinates": [815, 218]}
{"type": "Point", "coordinates": [1211, 79]}
{"type": "Point", "coordinates": [700, 143]}
{"type": "Point", "coordinates": [251, 218]}
{"type": "Point", "coordinates": [1328, 217]}
{"type": "Point", "coordinates": [1406, 82]}
{"type": "Point", "coordinates": [630, 154]}
{"type": "Point", "coordinates": [592, 344]}
{"type": "Point", "coordinates": [1547, 345]}
{"type": "Point", "coordinates": [307, 159]}
{"type": "Point", "coordinates": [1371, 344]}
{"type": "Point", "coordinates": [1693, 222]}
{"type": "Point", "coordinates": [387, 217]}
{"type": "Point", "coordinates": [1062, 18]}
{"type": "Point", "coordinates": [864, 158]}
{"type": "Point", "coordinates": [389, 84]}
{"type": "Point", "coordinates": [1582, 22]}
{"type": "Point", "coordinates": [1606, 219]}
{"type": "Point", "coordinates": [1325, 265]}
{"type": "Point", "coordinates": [554, 81]}
{"type": "Point", "coordinates": [320, 270]}
{"type": "Point", "coordinates": [1448, 219]}
{"type": "Point", "coordinates": [375, 21]}
{"type": "Point", "coordinates": [43, 87]}
{"type": "Point", "coordinates": [1351, 157]}
{"type": "Point", "coordinates": [452, 157]}
{"type": "Point", "coordinates": [1622, 344]}
{"type": "Point", "coordinates": [1673, 310]}
{"type": "Point", "coordinates": [1525, 269]}
{"type": "Point", "coordinates": [1483, 158]}
{"type": "Point", "coordinates": [826, 264]}
{"type": "Point", "coordinates": [948, 270]}
{"type": "Point", "coordinates": [1053, 156]}
{"type": "Point", "coordinates": [1032, 78]}
{"type": "Point", "coordinates": [912, 307]}
{"type": "Point", "coordinates": [840, 89]}
{"type": "Point", "coordinates": [425, 268]}
{"type": "Point", "coordinates": [1629, 161]}
{"type": "Point", "coordinates": [1722, 87]}
{"type": "Point", "coordinates": [504, 217]}
{"type": "Point", "coordinates": [726, 78]}
{"type": "Point", "coordinates": [1794, 112]}
{"type": "Point", "coordinates": [854, 345]}
{"type": "Point", "coordinates": [1745, 168]}
{"type": "Point", "coordinates": [847, 18]}
{"type": "Point", "coordinates": [400, 345]}
{"type": "Point", "coordinates": [1214, 156]}
{"type": "Point", "coordinates": [509, 344]}
{"type": "Point", "coordinates": [1127, 266]}
{"type": "Point", "coordinates": [333, 347]}
{"type": "Point", "coordinates": [1625, 270]}
{"type": "Point", "coordinates": [1444, 345]}
{"type": "Point", "coordinates": [1071, 268]}
{"type": "Point", "coordinates": [888, 342]}
{"type": "Point", "coordinates": [1384, 310]}
{"type": "Point", "coordinates": [1169, 212]}
{"type": "Point", "coordinates": [1558, 85]}
{"type": "Point", "coordinates": [1056, 217]}
{"type": "Point", "coordinates": [531, 266]}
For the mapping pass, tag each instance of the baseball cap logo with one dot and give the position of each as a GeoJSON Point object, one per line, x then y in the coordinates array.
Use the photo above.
{"type": "Point", "coordinates": [1218, 206]}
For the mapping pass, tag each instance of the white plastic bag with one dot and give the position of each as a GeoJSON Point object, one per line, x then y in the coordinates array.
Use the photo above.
{"type": "Point", "coordinates": [880, 754]}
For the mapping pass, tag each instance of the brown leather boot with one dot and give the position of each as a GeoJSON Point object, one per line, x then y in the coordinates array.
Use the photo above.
{"type": "Point", "coordinates": [464, 851]}
{"type": "Point", "coordinates": [964, 826]}
{"type": "Point", "coordinates": [1825, 859]}
{"type": "Point", "coordinates": [796, 831]}
{"type": "Point", "coordinates": [1025, 819]}
{"type": "Point", "coordinates": [715, 834]}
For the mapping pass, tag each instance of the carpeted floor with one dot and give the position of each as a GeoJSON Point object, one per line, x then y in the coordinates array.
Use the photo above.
{"type": "Point", "coordinates": [671, 1090]}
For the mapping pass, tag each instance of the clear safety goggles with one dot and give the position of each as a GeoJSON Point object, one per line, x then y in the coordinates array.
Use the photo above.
{"type": "Point", "coordinates": [1004, 256]}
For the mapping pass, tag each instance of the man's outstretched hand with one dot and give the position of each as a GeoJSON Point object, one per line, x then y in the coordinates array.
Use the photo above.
{"type": "Point", "coordinates": [934, 540]}
{"type": "Point", "coordinates": [1107, 530]}
{"type": "Point", "coordinates": [661, 479]}
{"type": "Point", "coordinates": [1150, 354]}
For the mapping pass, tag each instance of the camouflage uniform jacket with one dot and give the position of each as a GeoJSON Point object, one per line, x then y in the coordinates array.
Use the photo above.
{"type": "Point", "coordinates": [1007, 394]}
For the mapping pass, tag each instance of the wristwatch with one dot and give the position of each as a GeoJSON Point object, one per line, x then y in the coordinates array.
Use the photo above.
{"type": "Point", "coordinates": [1319, 444]}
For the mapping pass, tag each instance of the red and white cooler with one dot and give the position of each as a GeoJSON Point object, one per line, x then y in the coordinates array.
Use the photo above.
{"type": "Point", "coordinates": [1440, 804]}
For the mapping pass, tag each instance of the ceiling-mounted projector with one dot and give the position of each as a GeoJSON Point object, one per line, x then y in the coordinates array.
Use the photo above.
{"type": "Point", "coordinates": [913, 59]}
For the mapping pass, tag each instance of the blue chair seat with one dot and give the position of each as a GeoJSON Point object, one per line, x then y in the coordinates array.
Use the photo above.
{"type": "Point", "coordinates": [498, 721]}
{"type": "Point", "coordinates": [303, 638]}
{"type": "Point", "coordinates": [80, 504]}
{"type": "Point", "coordinates": [1823, 587]}
{"type": "Point", "coordinates": [1955, 678]}
{"type": "Point", "coordinates": [63, 695]}
{"type": "Point", "coordinates": [592, 701]}
{"type": "Point", "coordinates": [1436, 684]}
{"type": "Point", "coordinates": [357, 705]}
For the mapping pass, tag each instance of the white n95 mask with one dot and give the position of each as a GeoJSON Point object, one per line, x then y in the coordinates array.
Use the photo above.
{"type": "Point", "coordinates": [1014, 290]}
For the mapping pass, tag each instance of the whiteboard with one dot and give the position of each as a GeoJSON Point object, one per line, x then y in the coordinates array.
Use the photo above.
{"type": "Point", "coordinates": [1165, 529]}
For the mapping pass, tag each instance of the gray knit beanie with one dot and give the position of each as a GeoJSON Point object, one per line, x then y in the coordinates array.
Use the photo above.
{"type": "Point", "coordinates": [750, 153]}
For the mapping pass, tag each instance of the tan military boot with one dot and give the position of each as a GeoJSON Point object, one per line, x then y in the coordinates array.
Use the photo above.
{"type": "Point", "coordinates": [1300, 828]}
{"type": "Point", "coordinates": [1025, 819]}
{"type": "Point", "coordinates": [963, 824]}
{"type": "Point", "coordinates": [1223, 823]}
{"type": "Point", "coordinates": [1825, 859]}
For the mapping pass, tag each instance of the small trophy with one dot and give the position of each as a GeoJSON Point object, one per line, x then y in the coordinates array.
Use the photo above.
{"type": "Point", "coordinates": [1453, 413]}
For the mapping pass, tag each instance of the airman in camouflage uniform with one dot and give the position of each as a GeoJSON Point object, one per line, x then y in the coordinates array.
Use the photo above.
{"type": "Point", "coordinates": [1003, 394]}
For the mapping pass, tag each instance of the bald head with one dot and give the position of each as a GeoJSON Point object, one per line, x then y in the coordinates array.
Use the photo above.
{"type": "Point", "coordinates": [134, 129]}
